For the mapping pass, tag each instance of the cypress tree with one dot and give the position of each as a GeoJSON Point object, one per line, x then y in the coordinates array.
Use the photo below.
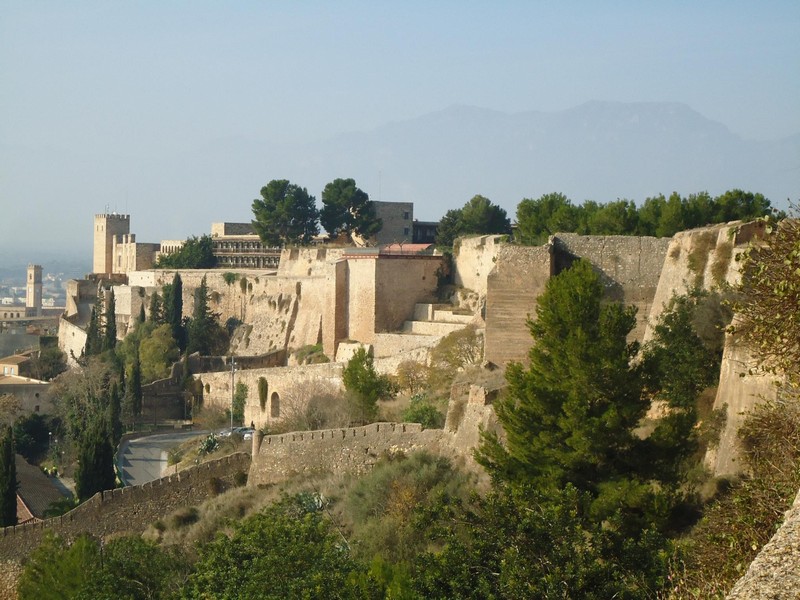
{"type": "Point", "coordinates": [201, 325]}
{"type": "Point", "coordinates": [173, 309]}
{"type": "Point", "coordinates": [110, 324]}
{"type": "Point", "coordinates": [156, 308]}
{"type": "Point", "coordinates": [95, 470]}
{"type": "Point", "coordinates": [94, 336]}
{"type": "Point", "coordinates": [8, 480]}
{"type": "Point", "coordinates": [114, 414]}
{"type": "Point", "coordinates": [141, 313]}
{"type": "Point", "coordinates": [133, 390]}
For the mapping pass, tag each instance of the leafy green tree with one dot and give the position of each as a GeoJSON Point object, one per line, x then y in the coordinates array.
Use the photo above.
{"type": "Point", "coordinates": [522, 542]}
{"type": "Point", "coordinates": [288, 550]}
{"type": "Point", "coordinates": [31, 435]}
{"type": "Point", "coordinates": [423, 411]}
{"type": "Point", "coordinates": [110, 323]}
{"type": "Point", "coordinates": [737, 204]}
{"type": "Point", "coordinates": [8, 479]}
{"type": "Point", "coordinates": [479, 216]}
{"type": "Point", "coordinates": [128, 568]}
{"type": "Point", "coordinates": [678, 365]}
{"type": "Point", "coordinates": [56, 570]}
{"type": "Point", "coordinates": [285, 214]}
{"type": "Point", "coordinates": [196, 253]}
{"type": "Point", "coordinates": [95, 471]}
{"type": "Point", "coordinates": [769, 296]}
{"type": "Point", "coordinates": [365, 385]}
{"type": "Point", "coordinates": [540, 218]}
{"type": "Point", "coordinates": [157, 353]}
{"type": "Point", "coordinates": [239, 401]}
{"type": "Point", "coordinates": [347, 211]}
{"type": "Point", "coordinates": [134, 569]}
{"type": "Point", "coordinates": [614, 218]}
{"type": "Point", "coordinates": [50, 362]}
{"type": "Point", "coordinates": [204, 332]}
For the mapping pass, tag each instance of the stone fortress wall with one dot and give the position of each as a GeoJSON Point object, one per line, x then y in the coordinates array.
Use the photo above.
{"type": "Point", "coordinates": [120, 511]}
{"type": "Point", "coordinates": [348, 450]}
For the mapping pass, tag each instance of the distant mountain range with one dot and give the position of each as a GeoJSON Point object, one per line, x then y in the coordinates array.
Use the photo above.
{"type": "Point", "coordinates": [598, 150]}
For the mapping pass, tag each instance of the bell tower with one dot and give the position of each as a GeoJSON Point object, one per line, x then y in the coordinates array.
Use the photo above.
{"type": "Point", "coordinates": [33, 292]}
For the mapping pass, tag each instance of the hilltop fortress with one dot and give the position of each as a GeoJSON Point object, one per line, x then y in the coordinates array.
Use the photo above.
{"type": "Point", "coordinates": [389, 299]}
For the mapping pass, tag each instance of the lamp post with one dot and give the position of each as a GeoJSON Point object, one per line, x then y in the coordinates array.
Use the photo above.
{"type": "Point", "coordinates": [233, 388]}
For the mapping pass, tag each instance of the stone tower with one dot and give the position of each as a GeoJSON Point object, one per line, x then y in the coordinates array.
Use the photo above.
{"type": "Point", "coordinates": [106, 228]}
{"type": "Point", "coordinates": [33, 294]}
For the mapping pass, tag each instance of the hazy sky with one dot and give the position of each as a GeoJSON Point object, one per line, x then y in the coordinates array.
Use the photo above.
{"type": "Point", "coordinates": [102, 81]}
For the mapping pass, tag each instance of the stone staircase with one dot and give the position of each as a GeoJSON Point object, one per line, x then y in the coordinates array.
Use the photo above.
{"type": "Point", "coordinates": [436, 319]}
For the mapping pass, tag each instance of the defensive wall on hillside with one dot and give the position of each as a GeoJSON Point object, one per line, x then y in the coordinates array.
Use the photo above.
{"type": "Point", "coordinates": [121, 511]}
{"type": "Point", "coordinates": [349, 450]}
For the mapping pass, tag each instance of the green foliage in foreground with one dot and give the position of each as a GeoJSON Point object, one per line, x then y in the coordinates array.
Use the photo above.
{"type": "Point", "coordinates": [126, 568]}
{"type": "Point", "coordinates": [8, 479]}
{"type": "Point", "coordinates": [287, 551]}
{"type": "Point", "coordinates": [196, 253]}
{"type": "Point", "coordinates": [365, 385]}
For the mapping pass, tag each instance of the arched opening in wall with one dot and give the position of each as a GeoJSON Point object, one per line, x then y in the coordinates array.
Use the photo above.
{"type": "Point", "coordinates": [275, 405]}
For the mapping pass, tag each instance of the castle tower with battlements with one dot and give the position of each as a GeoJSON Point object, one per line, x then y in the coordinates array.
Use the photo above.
{"type": "Point", "coordinates": [106, 229]}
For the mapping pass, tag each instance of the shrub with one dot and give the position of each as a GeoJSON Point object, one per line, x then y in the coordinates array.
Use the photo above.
{"type": "Point", "coordinates": [208, 445]}
{"type": "Point", "coordinates": [229, 278]}
{"type": "Point", "coordinates": [421, 410]}
{"type": "Point", "coordinates": [311, 355]}
{"type": "Point", "coordinates": [240, 478]}
{"type": "Point", "coordinates": [184, 516]}
{"type": "Point", "coordinates": [215, 486]}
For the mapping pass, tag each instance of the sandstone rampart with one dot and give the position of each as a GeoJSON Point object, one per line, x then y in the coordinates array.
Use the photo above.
{"type": "Point", "coordinates": [473, 260]}
{"type": "Point", "coordinates": [352, 450]}
{"type": "Point", "coordinates": [121, 511]}
{"type": "Point", "coordinates": [518, 278]}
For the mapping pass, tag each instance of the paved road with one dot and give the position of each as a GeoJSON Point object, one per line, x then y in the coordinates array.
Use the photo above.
{"type": "Point", "coordinates": [145, 459]}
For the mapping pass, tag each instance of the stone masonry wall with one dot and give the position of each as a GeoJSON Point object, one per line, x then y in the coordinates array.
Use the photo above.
{"type": "Point", "coordinates": [630, 266]}
{"type": "Point", "coordinates": [352, 450]}
{"type": "Point", "coordinates": [473, 261]}
{"type": "Point", "coordinates": [519, 276]}
{"type": "Point", "coordinates": [400, 283]}
{"type": "Point", "coordinates": [285, 389]}
{"type": "Point", "coordinates": [121, 511]}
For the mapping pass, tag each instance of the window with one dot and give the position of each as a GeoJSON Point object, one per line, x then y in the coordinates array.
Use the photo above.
{"type": "Point", "coordinates": [406, 216]}
{"type": "Point", "coordinates": [405, 230]}
{"type": "Point", "coordinates": [275, 405]}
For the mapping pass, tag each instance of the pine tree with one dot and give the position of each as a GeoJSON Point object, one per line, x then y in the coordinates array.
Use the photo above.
{"type": "Point", "coordinates": [570, 417]}
{"type": "Point", "coordinates": [8, 480]}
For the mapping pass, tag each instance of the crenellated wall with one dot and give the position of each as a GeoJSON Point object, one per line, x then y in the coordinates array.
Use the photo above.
{"type": "Point", "coordinates": [352, 450]}
{"type": "Point", "coordinates": [121, 511]}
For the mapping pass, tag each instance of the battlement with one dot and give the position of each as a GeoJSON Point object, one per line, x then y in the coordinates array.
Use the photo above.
{"type": "Point", "coordinates": [122, 510]}
{"type": "Point", "coordinates": [112, 216]}
{"type": "Point", "coordinates": [347, 450]}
